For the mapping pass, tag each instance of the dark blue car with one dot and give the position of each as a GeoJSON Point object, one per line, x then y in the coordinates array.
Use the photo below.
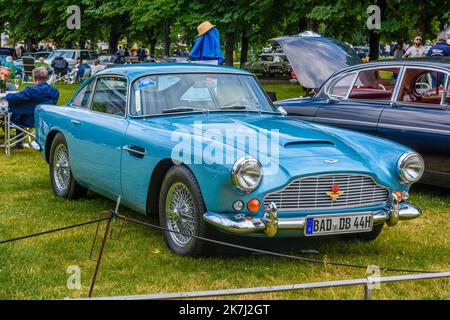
{"type": "Point", "coordinates": [406, 101]}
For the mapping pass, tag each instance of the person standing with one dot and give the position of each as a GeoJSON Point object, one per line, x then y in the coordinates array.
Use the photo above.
{"type": "Point", "coordinates": [387, 49]}
{"type": "Point", "coordinates": [440, 49]}
{"type": "Point", "coordinates": [399, 52]}
{"type": "Point", "coordinates": [416, 50]}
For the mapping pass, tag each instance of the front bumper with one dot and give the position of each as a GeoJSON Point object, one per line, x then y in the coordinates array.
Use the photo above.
{"type": "Point", "coordinates": [270, 223]}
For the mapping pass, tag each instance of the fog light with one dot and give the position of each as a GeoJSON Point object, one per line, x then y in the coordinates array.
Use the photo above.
{"type": "Point", "coordinates": [254, 205]}
{"type": "Point", "coordinates": [238, 205]}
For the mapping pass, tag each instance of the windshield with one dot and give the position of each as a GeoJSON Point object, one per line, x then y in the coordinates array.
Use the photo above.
{"type": "Point", "coordinates": [174, 93]}
{"type": "Point", "coordinates": [64, 54]}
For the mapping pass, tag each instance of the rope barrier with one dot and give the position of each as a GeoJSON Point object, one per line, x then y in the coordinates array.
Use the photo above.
{"type": "Point", "coordinates": [282, 255]}
{"type": "Point", "coordinates": [112, 216]}
{"type": "Point", "coordinates": [52, 231]}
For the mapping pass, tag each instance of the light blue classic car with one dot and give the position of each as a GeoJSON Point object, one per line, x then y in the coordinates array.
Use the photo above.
{"type": "Point", "coordinates": [204, 148]}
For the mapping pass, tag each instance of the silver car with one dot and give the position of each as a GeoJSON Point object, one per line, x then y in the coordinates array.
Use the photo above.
{"type": "Point", "coordinates": [71, 55]}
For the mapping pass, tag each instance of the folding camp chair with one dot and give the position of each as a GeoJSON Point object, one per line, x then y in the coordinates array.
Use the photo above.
{"type": "Point", "coordinates": [21, 120]}
{"type": "Point", "coordinates": [61, 75]}
{"type": "Point", "coordinates": [28, 67]}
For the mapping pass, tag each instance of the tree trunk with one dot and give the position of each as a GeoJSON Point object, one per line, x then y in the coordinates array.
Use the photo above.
{"type": "Point", "coordinates": [244, 48]}
{"type": "Point", "coordinates": [152, 39]}
{"type": "Point", "coordinates": [313, 25]}
{"type": "Point", "coordinates": [166, 38]}
{"type": "Point", "coordinates": [374, 45]}
{"type": "Point", "coordinates": [229, 48]}
{"type": "Point", "coordinates": [374, 37]}
{"type": "Point", "coordinates": [302, 24]}
{"type": "Point", "coordinates": [113, 41]}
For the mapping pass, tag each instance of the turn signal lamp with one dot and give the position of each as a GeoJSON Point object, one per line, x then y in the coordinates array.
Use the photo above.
{"type": "Point", "coordinates": [253, 205]}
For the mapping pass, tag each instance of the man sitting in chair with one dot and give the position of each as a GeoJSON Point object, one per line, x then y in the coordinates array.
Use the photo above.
{"type": "Point", "coordinates": [23, 103]}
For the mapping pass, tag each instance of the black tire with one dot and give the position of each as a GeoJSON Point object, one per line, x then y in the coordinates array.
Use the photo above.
{"type": "Point", "coordinates": [365, 236]}
{"type": "Point", "coordinates": [67, 188]}
{"type": "Point", "coordinates": [182, 178]}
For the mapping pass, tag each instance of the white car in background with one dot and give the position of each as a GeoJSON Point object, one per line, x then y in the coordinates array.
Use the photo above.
{"type": "Point", "coordinates": [71, 56]}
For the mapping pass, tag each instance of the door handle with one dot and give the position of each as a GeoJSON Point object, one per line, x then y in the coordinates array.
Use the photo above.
{"type": "Point", "coordinates": [135, 151]}
{"type": "Point", "coordinates": [76, 122]}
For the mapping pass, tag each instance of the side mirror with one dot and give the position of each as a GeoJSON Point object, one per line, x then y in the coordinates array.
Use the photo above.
{"type": "Point", "coordinates": [282, 111]}
{"type": "Point", "coordinates": [272, 95]}
{"type": "Point", "coordinates": [333, 100]}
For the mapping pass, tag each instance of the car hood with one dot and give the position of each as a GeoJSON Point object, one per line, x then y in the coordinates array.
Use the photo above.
{"type": "Point", "coordinates": [315, 58]}
{"type": "Point", "coordinates": [293, 138]}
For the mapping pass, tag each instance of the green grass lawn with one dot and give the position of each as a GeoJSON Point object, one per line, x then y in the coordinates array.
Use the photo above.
{"type": "Point", "coordinates": [140, 263]}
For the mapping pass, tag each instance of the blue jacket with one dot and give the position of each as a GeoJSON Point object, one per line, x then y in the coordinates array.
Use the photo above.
{"type": "Point", "coordinates": [440, 49]}
{"type": "Point", "coordinates": [23, 103]}
{"type": "Point", "coordinates": [81, 69]}
{"type": "Point", "coordinates": [42, 93]}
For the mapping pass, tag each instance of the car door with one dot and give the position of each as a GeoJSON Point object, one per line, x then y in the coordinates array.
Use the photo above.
{"type": "Point", "coordinates": [420, 119]}
{"type": "Point", "coordinates": [97, 136]}
{"type": "Point", "coordinates": [357, 99]}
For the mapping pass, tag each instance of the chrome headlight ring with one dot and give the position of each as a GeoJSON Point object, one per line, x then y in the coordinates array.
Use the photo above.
{"type": "Point", "coordinates": [410, 167]}
{"type": "Point", "coordinates": [247, 174]}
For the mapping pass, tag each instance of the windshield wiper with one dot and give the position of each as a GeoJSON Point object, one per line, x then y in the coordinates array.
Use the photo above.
{"type": "Point", "coordinates": [183, 109]}
{"type": "Point", "coordinates": [240, 107]}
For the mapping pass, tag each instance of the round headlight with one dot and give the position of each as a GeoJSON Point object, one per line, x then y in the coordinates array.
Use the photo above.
{"type": "Point", "coordinates": [411, 167]}
{"type": "Point", "coordinates": [247, 174]}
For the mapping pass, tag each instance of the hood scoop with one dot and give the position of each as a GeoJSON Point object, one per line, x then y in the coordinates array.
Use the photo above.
{"type": "Point", "coordinates": [309, 144]}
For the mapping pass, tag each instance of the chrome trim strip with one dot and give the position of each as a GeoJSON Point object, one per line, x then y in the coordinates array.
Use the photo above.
{"type": "Point", "coordinates": [409, 128]}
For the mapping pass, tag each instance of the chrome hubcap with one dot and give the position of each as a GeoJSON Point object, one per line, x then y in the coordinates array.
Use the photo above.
{"type": "Point", "coordinates": [180, 213]}
{"type": "Point", "coordinates": [61, 170]}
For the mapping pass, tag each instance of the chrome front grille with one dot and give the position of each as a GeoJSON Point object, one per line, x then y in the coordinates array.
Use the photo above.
{"type": "Point", "coordinates": [310, 193]}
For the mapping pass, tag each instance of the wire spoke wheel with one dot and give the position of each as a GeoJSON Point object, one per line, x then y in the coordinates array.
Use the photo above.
{"type": "Point", "coordinates": [180, 213]}
{"type": "Point", "coordinates": [61, 168]}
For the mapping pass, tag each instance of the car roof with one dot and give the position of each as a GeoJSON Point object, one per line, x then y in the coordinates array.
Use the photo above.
{"type": "Point", "coordinates": [72, 50]}
{"type": "Point", "coordinates": [133, 71]}
{"type": "Point", "coordinates": [441, 62]}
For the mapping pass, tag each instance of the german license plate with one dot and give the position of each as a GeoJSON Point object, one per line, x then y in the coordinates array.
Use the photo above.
{"type": "Point", "coordinates": [338, 224]}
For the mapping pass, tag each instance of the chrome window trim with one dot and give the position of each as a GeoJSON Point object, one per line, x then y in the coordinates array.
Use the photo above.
{"type": "Point", "coordinates": [336, 79]}
{"type": "Point", "coordinates": [95, 88]}
{"type": "Point", "coordinates": [131, 83]}
{"type": "Point", "coordinates": [428, 68]}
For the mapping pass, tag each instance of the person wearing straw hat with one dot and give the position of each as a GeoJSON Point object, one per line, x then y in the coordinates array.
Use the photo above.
{"type": "Point", "coordinates": [207, 46]}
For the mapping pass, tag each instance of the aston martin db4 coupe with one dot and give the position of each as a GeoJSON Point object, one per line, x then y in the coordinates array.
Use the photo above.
{"type": "Point", "coordinates": [203, 148]}
{"type": "Point", "coordinates": [406, 101]}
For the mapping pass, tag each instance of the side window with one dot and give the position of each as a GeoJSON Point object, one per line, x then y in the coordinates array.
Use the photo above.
{"type": "Point", "coordinates": [110, 96]}
{"type": "Point", "coordinates": [422, 86]}
{"type": "Point", "coordinates": [340, 87]}
{"type": "Point", "coordinates": [375, 84]}
{"type": "Point", "coordinates": [81, 100]}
